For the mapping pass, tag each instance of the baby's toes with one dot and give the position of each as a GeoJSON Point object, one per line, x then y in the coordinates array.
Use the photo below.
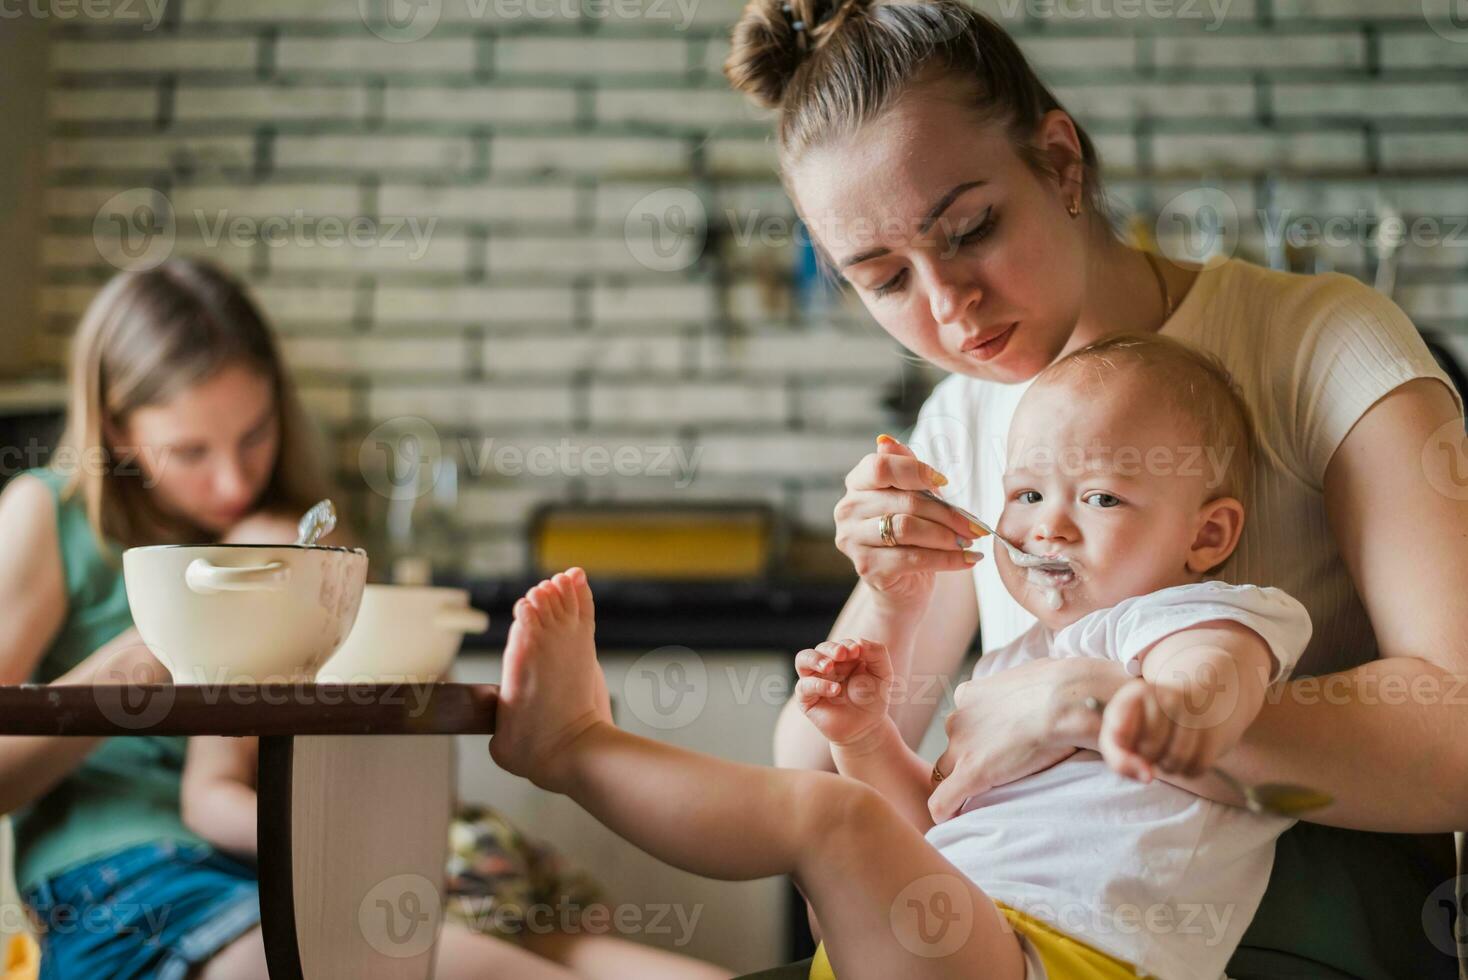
{"type": "Point", "coordinates": [540, 596]}
{"type": "Point", "coordinates": [524, 612]}
{"type": "Point", "coordinates": [581, 589]}
{"type": "Point", "coordinates": [565, 604]}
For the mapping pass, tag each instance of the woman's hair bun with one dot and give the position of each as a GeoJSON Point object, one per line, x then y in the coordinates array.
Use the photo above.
{"type": "Point", "coordinates": [773, 38]}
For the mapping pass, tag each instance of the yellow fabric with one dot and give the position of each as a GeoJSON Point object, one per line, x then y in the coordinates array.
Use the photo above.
{"type": "Point", "coordinates": [22, 959]}
{"type": "Point", "coordinates": [1065, 958]}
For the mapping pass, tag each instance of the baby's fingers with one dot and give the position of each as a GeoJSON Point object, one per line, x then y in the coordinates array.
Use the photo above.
{"type": "Point", "coordinates": [813, 689]}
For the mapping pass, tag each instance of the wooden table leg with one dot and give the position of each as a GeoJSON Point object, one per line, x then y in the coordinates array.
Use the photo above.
{"type": "Point", "coordinates": [353, 836]}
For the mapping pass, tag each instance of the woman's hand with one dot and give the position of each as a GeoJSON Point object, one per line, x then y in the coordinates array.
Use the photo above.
{"type": "Point", "coordinates": [1016, 722]}
{"type": "Point", "coordinates": [928, 537]}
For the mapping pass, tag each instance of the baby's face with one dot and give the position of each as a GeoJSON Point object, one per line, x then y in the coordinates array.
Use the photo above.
{"type": "Point", "coordinates": [1106, 477]}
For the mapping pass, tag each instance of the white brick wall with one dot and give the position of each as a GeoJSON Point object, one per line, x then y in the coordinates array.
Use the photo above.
{"type": "Point", "coordinates": [515, 138]}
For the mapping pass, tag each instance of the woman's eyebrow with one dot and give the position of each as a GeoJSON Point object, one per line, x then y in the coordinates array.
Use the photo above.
{"type": "Point", "coordinates": [937, 210]}
{"type": "Point", "coordinates": [934, 213]}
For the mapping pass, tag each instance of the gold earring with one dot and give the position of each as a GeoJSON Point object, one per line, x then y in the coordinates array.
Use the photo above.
{"type": "Point", "coordinates": [1074, 210]}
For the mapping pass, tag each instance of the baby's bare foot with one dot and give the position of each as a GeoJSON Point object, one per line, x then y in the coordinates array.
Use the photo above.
{"type": "Point", "coordinates": [552, 689]}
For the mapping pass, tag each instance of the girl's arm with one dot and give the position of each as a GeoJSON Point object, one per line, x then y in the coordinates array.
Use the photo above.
{"type": "Point", "coordinates": [217, 799]}
{"type": "Point", "coordinates": [33, 589]}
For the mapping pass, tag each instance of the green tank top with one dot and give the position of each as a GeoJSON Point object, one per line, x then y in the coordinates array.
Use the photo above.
{"type": "Point", "coordinates": [127, 790]}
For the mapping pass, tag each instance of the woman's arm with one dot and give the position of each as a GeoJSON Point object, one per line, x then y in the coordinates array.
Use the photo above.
{"type": "Point", "coordinates": [33, 589]}
{"type": "Point", "coordinates": [1387, 739]}
{"type": "Point", "coordinates": [217, 798]}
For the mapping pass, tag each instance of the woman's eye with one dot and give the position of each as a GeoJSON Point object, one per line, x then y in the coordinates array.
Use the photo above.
{"type": "Point", "coordinates": [187, 455]}
{"type": "Point", "coordinates": [1028, 497]}
{"type": "Point", "coordinates": [1100, 499]}
{"type": "Point", "coordinates": [891, 285]}
{"type": "Point", "coordinates": [979, 231]}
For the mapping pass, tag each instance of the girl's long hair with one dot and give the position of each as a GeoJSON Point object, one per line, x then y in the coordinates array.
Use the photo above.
{"type": "Point", "coordinates": [145, 338]}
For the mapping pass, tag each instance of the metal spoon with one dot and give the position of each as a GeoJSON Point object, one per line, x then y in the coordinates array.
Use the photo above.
{"type": "Point", "coordinates": [1274, 799]}
{"type": "Point", "coordinates": [1023, 559]}
{"type": "Point", "coordinates": [316, 523]}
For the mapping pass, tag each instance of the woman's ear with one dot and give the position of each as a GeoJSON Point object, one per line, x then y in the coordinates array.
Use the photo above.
{"type": "Point", "coordinates": [1060, 146]}
{"type": "Point", "coordinates": [1220, 522]}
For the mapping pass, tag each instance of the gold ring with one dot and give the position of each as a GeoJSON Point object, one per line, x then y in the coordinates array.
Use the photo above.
{"type": "Point", "coordinates": [938, 777]}
{"type": "Point", "coordinates": [885, 526]}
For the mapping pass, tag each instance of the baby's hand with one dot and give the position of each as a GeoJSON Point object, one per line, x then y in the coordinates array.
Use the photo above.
{"type": "Point", "coordinates": [1149, 727]}
{"type": "Point", "coordinates": [844, 688]}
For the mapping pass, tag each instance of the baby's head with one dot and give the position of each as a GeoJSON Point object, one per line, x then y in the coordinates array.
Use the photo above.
{"type": "Point", "coordinates": [1131, 457]}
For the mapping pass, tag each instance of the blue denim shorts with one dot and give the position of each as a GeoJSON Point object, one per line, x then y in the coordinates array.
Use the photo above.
{"type": "Point", "coordinates": [151, 910]}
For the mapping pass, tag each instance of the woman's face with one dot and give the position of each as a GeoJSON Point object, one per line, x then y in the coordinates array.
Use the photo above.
{"type": "Point", "coordinates": [208, 453]}
{"type": "Point", "coordinates": [961, 250]}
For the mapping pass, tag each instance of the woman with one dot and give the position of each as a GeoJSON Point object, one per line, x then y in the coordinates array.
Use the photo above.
{"type": "Point", "coordinates": [183, 427]}
{"type": "Point", "coordinates": [954, 194]}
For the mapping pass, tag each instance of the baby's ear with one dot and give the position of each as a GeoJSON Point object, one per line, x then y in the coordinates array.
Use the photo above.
{"type": "Point", "coordinates": [1220, 522]}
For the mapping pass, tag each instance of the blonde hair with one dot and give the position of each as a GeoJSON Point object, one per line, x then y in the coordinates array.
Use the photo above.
{"type": "Point", "coordinates": [146, 337]}
{"type": "Point", "coordinates": [851, 60]}
{"type": "Point", "coordinates": [1191, 382]}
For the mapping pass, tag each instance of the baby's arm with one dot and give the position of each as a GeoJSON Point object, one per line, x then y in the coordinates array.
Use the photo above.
{"type": "Point", "coordinates": [217, 798]}
{"type": "Point", "coordinates": [1200, 690]}
{"type": "Point", "coordinates": [845, 690]}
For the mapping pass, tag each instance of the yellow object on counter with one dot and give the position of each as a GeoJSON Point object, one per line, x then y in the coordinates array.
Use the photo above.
{"type": "Point", "coordinates": [645, 544]}
{"type": "Point", "coordinates": [1065, 957]}
{"type": "Point", "coordinates": [22, 959]}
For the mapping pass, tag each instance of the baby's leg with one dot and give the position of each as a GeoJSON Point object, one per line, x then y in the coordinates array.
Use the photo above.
{"type": "Point", "coordinates": [890, 905]}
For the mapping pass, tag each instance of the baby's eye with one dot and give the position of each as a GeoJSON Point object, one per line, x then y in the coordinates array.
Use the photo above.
{"type": "Point", "coordinates": [1028, 497]}
{"type": "Point", "coordinates": [1101, 499]}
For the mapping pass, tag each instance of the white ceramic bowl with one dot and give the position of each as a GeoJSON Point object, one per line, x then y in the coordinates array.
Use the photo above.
{"type": "Point", "coordinates": [405, 633]}
{"type": "Point", "coordinates": [241, 612]}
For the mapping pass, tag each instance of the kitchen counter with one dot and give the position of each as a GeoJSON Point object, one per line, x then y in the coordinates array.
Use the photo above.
{"type": "Point", "coordinates": [27, 395]}
{"type": "Point", "coordinates": [743, 615]}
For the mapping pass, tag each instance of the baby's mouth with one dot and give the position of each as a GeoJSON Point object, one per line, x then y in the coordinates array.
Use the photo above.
{"type": "Point", "coordinates": [1051, 582]}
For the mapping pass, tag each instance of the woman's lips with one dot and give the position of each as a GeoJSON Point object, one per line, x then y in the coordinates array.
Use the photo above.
{"type": "Point", "coordinates": [991, 348]}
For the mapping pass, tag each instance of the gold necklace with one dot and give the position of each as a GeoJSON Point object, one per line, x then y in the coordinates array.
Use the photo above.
{"type": "Point", "coordinates": [1161, 284]}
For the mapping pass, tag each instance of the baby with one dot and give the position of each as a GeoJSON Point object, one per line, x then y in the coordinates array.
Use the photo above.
{"type": "Point", "coordinates": [1089, 868]}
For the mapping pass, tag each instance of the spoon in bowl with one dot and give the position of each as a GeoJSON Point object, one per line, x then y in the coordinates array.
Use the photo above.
{"type": "Point", "coordinates": [1022, 559]}
{"type": "Point", "coordinates": [1274, 799]}
{"type": "Point", "coordinates": [316, 523]}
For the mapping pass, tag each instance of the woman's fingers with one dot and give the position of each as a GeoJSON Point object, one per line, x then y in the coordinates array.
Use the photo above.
{"type": "Point", "coordinates": [908, 510]}
{"type": "Point", "coordinates": [890, 470]}
{"type": "Point", "coordinates": [958, 784]}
